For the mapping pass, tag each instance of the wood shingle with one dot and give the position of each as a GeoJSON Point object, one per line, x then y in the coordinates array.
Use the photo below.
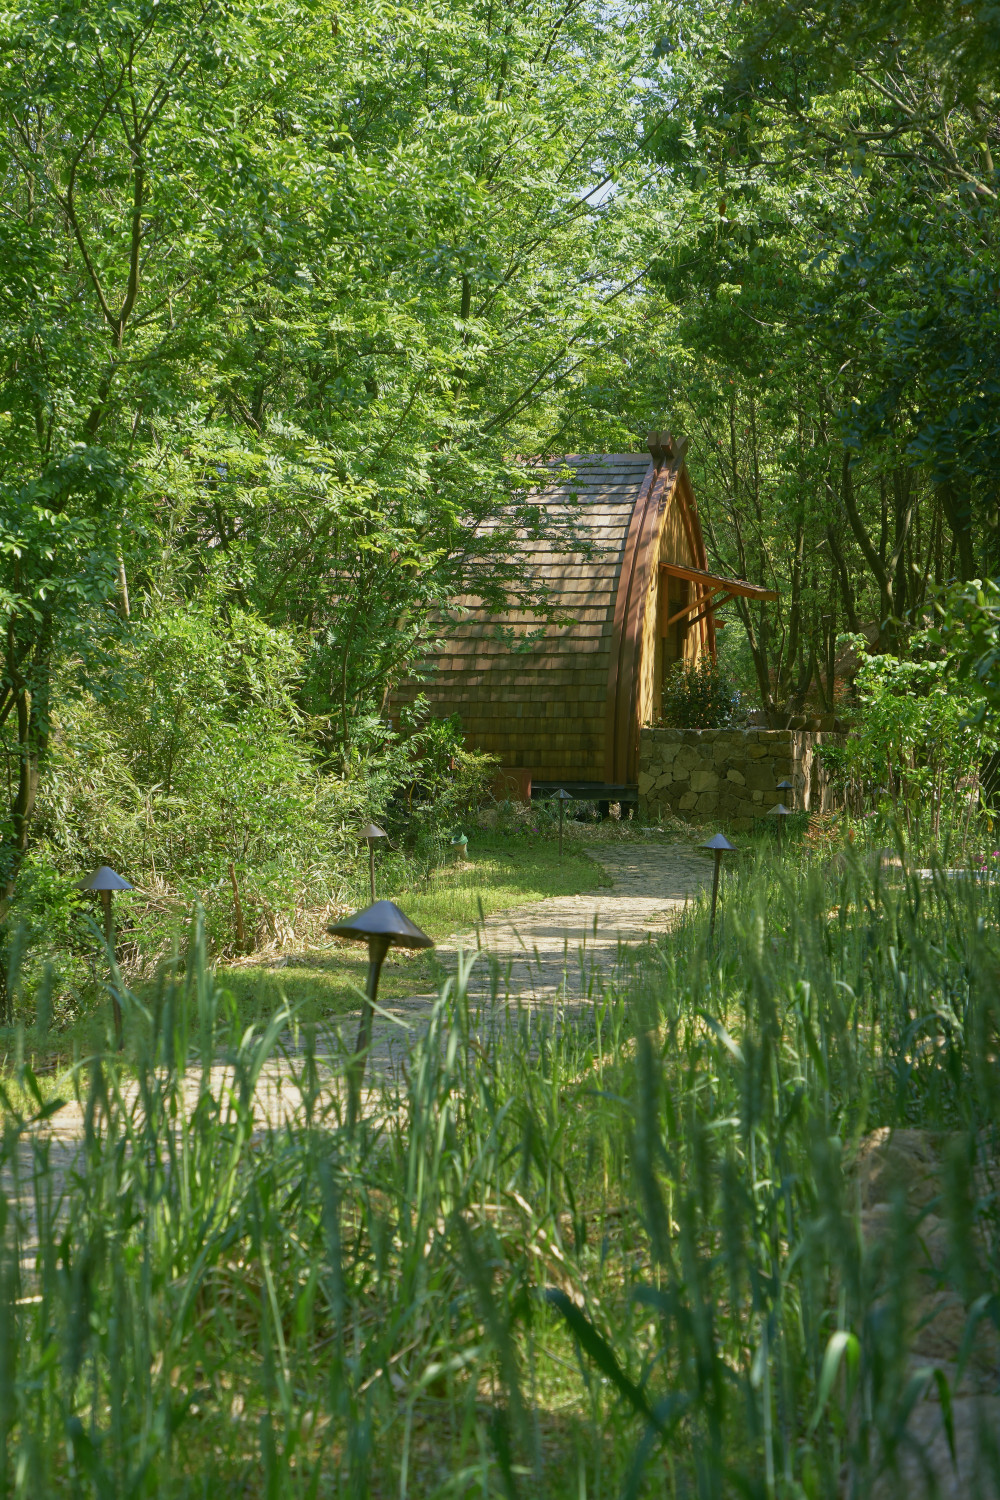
{"type": "Point", "coordinates": [567, 706]}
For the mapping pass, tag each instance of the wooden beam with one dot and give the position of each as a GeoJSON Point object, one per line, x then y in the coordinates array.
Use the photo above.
{"type": "Point", "coordinates": [731, 585]}
{"type": "Point", "coordinates": [712, 607]}
{"type": "Point", "coordinates": [696, 604]}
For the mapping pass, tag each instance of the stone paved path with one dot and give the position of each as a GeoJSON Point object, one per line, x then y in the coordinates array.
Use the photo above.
{"type": "Point", "coordinates": [560, 952]}
{"type": "Point", "coordinates": [548, 958]}
{"type": "Point", "coordinates": [550, 955]}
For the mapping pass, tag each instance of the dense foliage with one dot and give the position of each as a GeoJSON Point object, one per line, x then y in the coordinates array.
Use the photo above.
{"type": "Point", "coordinates": [921, 743]}
{"type": "Point", "coordinates": [698, 695]}
{"type": "Point", "coordinates": [829, 315]}
{"type": "Point", "coordinates": [284, 290]}
{"type": "Point", "coordinates": [290, 291]}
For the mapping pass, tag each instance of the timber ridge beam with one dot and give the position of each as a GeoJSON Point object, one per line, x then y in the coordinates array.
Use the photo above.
{"type": "Point", "coordinates": [665, 448]}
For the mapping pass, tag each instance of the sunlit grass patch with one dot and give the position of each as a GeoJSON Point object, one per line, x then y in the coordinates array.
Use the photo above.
{"type": "Point", "coordinates": [502, 873]}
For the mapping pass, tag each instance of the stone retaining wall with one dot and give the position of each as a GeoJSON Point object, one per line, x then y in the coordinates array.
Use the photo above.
{"type": "Point", "coordinates": [730, 773]}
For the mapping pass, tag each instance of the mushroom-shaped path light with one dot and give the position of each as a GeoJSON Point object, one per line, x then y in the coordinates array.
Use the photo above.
{"type": "Point", "coordinates": [372, 835]}
{"type": "Point", "coordinates": [382, 926]}
{"type": "Point", "coordinates": [719, 846]}
{"type": "Point", "coordinates": [562, 797]}
{"type": "Point", "coordinates": [786, 786]}
{"type": "Point", "coordinates": [104, 880]}
{"type": "Point", "coordinates": [779, 812]}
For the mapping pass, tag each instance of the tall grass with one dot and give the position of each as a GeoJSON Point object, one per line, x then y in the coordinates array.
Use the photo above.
{"type": "Point", "coordinates": [617, 1252]}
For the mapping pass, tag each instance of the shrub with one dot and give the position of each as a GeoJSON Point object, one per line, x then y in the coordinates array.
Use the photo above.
{"type": "Point", "coordinates": [698, 695]}
{"type": "Point", "coordinates": [919, 738]}
{"type": "Point", "coordinates": [195, 775]}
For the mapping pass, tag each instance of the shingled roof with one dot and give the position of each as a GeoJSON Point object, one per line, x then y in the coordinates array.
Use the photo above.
{"type": "Point", "coordinates": [555, 696]}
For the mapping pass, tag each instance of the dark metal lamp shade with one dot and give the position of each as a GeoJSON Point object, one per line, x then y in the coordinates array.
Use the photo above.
{"type": "Point", "coordinates": [104, 879]}
{"type": "Point", "coordinates": [779, 810]}
{"type": "Point", "coordinates": [562, 795]}
{"type": "Point", "coordinates": [720, 842]}
{"type": "Point", "coordinates": [383, 919]}
{"type": "Point", "coordinates": [373, 831]}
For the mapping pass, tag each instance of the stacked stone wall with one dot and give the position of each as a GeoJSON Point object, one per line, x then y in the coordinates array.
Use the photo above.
{"type": "Point", "coordinates": [731, 774]}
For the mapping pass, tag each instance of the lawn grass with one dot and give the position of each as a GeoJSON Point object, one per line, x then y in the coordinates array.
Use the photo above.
{"type": "Point", "coordinates": [322, 980]}
{"type": "Point", "coordinates": [504, 871]}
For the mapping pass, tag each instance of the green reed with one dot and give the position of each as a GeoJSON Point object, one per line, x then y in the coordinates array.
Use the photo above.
{"type": "Point", "coordinates": [610, 1252]}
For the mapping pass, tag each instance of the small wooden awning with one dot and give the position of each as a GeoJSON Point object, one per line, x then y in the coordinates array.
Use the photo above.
{"type": "Point", "coordinates": [710, 584]}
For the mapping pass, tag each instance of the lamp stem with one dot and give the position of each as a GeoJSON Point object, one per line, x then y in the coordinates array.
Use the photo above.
{"type": "Point", "coordinates": [109, 938]}
{"type": "Point", "coordinates": [378, 947]}
{"type": "Point", "coordinates": [371, 866]}
{"type": "Point", "coordinates": [715, 892]}
{"type": "Point", "coordinates": [562, 814]}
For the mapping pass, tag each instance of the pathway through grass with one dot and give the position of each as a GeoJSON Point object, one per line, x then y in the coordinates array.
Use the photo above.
{"type": "Point", "coordinates": [503, 873]}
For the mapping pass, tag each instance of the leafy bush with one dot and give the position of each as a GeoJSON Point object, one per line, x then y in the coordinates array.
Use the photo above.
{"type": "Point", "coordinates": [967, 632]}
{"type": "Point", "coordinates": [440, 782]}
{"type": "Point", "coordinates": [193, 773]}
{"type": "Point", "coordinates": [699, 695]}
{"type": "Point", "coordinates": [919, 737]}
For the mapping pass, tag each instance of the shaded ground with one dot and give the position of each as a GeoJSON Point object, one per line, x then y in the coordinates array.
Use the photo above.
{"type": "Point", "coordinates": [322, 978]}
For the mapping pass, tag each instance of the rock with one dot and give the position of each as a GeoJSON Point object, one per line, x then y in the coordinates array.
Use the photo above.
{"type": "Point", "coordinates": [761, 779]}
{"type": "Point", "coordinates": [919, 1475]}
{"type": "Point", "coordinates": [687, 802]}
{"type": "Point", "coordinates": [939, 1321]}
{"type": "Point", "coordinates": [707, 802]}
{"type": "Point", "coordinates": [890, 1164]}
{"type": "Point", "coordinates": [679, 761]}
{"type": "Point", "coordinates": [890, 1159]}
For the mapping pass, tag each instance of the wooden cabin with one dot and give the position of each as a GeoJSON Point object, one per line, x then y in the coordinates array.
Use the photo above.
{"type": "Point", "coordinates": [632, 597]}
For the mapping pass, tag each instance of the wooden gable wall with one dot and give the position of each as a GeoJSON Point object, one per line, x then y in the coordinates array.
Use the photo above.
{"type": "Point", "coordinates": [679, 541]}
{"type": "Point", "coordinates": [568, 706]}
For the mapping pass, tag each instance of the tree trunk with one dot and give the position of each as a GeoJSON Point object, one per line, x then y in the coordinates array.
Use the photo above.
{"type": "Point", "coordinates": [957, 504]}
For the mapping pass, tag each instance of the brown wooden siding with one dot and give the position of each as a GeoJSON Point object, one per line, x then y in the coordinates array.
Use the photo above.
{"type": "Point", "coordinates": [569, 706]}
